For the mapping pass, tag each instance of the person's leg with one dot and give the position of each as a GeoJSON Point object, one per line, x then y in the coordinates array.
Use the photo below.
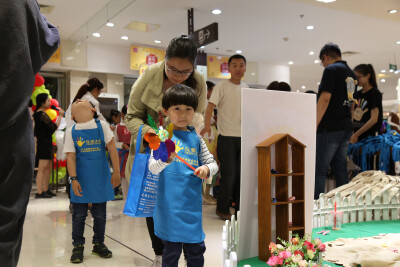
{"type": "Point", "coordinates": [339, 161]}
{"type": "Point", "coordinates": [156, 242]}
{"type": "Point", "coordinates": [99, 214]}
{"type": "Point", "coordinates": [325, 150]}
{"type": "Point", "coordinates": [41, 174]}
{"type": "Point", "coordinates": [16, 171]}
{"type": "Point", "coordinates": [171, 254]}
{"type": "Point", "coordinates": [227, 157]}
{"type": "Point", "coordinates": [78, 223]}
{"type": "Point", "coordinates": [47, 173]}
{"type": "Point", "coordinates": [195, 254]}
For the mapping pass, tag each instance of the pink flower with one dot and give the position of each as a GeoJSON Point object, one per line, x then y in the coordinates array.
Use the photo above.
{"type": "Point", "coordinates": [317, 241]}
{"type": "Point", "coordinates": [321, 247]}
{"type": "Point", "coordinates": [295, 241]}
{"type": "Point", "coordinates": [303, 263]}
{"type": "Point", "coordinates": [285, 254]}
{"type": "Point", "coordinates": [272, 247]}
{"type": "Point", "coordinates": [275, 261]}
{"type": "Point", "coordinates": [309, 245]}
{"type": "Point", "coordinates": [298, 252]}
{"type": "Point", "coordinates": [296, 258]}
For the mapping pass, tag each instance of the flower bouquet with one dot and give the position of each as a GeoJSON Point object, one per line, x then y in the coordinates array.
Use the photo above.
{"type": "Point", "coordinates": [298, 252]}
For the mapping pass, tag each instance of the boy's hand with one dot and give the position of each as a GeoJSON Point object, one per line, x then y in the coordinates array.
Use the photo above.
{"type": "Point", "coordinates": [115, 179]}
{"type": "Point", "coordinates": [206, 129]}
{"type": "Point", "coordinates": [125, 146]}
{"type": "Point", "coordinates": [171, 157]}
{"type": "Point", "coordinates": [76, 187]}
{"type": "Point", "coordinates": [202, 172]}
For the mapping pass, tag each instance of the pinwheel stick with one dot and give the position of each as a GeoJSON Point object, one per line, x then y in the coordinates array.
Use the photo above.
{"type": "Point", "coordinates": [181, 159]}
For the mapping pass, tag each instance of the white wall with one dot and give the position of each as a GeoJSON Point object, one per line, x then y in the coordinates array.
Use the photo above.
{"type": "Point", "coordinates": [268, 73]}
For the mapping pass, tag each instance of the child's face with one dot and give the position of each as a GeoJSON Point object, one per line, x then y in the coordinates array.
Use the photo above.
{"type": "Point", "coordinates": [82, 111]}
{"type": "Point", "coordinates": [180, 116]}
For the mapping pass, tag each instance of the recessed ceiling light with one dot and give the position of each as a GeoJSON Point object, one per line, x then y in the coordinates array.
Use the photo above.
{"type": "Point", "coordinates": [398, 42]}
{"type": "Point", "coordinates": [69, 58]}
{"type": "Point", "coordinates": [253, 74]}
{"type": "Point", "coordinates": [311, 53]}
{"type": "Point", "coordinates": [310, 27]}
{"type": "Point", "coordinates": [110, 24]}
{"type": "Point", "coordinates": [202, 47]}
{"type": "Point", "coordinates": [238, 51]}
{"type": "Point", "coordinates": [157, 41]}
{"type": "Point", "coordinates": [383, 80]}
{"type": "Point", "coordinates": [290, 62]}
{"type": "Point", "coordinates": [303, 87]}
{"type": "Point", "coordinates": [326, 1]}
{"type": "Point", "coordinates": [397, 72]}
{"type": "Point", "coordinates": [77, 50]}
{"type": "Point", "coordinates": [316, 61]}
{"type": "Point", "coordinates": [383, 71]}
{"type": "Point", "coordinates": [216, 11]}
{"type": "Point", "coordinates": [318, 83]}
{"type": "Point", "coordinates": [298, 91]}
{"type": "Point", "coordinates": [391, 70]}
{"type": "Point", "coordinates": [96, 34]}
{"type": "Point", "coordinates": [392, 11]}
{"type": "Point", "coordinates": [124, 37]}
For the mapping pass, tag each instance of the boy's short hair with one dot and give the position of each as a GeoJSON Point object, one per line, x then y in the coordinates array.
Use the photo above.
{"type": "Point", "coordinates": [210, 85]}
{"type": "Point", "coordinates": [114, 113]}
{"type": "Point", "coordinates": [330, 49]}
{"type": "Point", "coordinates": [124, 109]}
{"type": "Point", "coordinates": [179, 94]}
{"type": "Point", "coordinates": [237, 56]}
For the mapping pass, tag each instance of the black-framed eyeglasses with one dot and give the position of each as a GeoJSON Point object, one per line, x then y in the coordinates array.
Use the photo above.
{"type": "Point", "coordinates": [178, 72]}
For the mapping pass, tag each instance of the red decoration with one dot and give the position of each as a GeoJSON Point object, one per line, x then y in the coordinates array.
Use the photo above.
{"type": "Point", "coordinates": [39, 80]}
{"type": "Point", "coordinates": [151, 59]}
{"type": "Point", "coordinates": [224, 68]}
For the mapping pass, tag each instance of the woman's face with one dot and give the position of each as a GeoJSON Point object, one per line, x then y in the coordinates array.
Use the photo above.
{"type": "Point", "coordinates": [362, 80]}
{"type": "Point", "coordinates": [47, 104]}
{"type": "Point", "coordinates": [96, 92]}
{"type": "Point", "coordinates": [178, 69]}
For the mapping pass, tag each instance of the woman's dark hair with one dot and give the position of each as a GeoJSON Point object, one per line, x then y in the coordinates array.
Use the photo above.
{"type": "Point", "coordinates": [273, 85]}
{"type": "Point", "coordinates": [87, 87]}
{"type": "Point", "coordinates": [279, 86]}
{"type": "Point", "coordinates": [40, 100]}
{"type": "Point", "coordinates": [366, 69]}
{"type": "Point", "coordinates": [183, 47]}
{"type": "Point", "coordinates": [124, 109]}
{"type": "Point", "coordinates": [179, 94]}
{"type": "Point", "coordinates": [114, 113]}
{"type": "Point", "coordinates": [210, 85]}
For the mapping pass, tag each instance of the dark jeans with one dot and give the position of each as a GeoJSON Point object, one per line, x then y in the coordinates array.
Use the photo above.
{"type": "Point", "coordinates": [156, 242]}
{"type": "Point", "coordinates": [16, 174]}
{"type": "Point", "coordinates": [331, 150]}
{"type": "Point", "coordinates": [78, 222]}
{"type": "Point", "coordinates": [173, 251]}
{"type": "Point", "coordinates": [228, 151]}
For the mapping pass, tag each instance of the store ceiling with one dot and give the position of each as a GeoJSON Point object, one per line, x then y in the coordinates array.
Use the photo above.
{"type": "Point", "coordinates": [258, 28]}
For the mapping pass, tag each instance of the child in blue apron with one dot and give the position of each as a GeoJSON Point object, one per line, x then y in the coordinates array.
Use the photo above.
{"type": "Point", "coordinates": [90, 177]}
{"type": "Point", "coordinates": [178, 218]}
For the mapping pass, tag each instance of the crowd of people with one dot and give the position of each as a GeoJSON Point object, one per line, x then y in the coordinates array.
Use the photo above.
{"type": "Point", "coordinates": [169, 92]}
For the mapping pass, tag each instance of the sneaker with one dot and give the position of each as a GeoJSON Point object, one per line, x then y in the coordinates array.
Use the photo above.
{"type": "Point", "coordinates": [157, 261]}
{"type": "Point", "coordinates": [101, 250]}
{"type": "Point", "coordinates": [118, 197]}
{"type": "Point", "coordinates": [51, 193]}
{"type": "Point", "coordinates": [43, 195]}
{"type": "Point", "coordinates": [77, 254]}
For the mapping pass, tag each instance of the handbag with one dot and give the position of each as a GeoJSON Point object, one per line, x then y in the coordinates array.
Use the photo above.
{"type": "Point", "coordinates": [142, 192]}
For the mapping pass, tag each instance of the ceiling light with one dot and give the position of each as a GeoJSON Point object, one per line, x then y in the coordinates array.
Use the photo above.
{"type": "Point", "coordinates": [303, 87]}
{"type": "Point", "coordinates": [326, 1]}
{"type": "Point", "coordinates": [383, 71]}
{"type": "Point", "coordinates": [392, 11]}
{"type": "Point", "coordinates": [124, 37]}
{"type": "Point", "coordinates": [383, 80]}
{"type": "Point", "coordinates": [397, 72]}
{"type": "Point", "coordinates": [157, 41]}
{"type": "Point", "coordinates": [216, 11]}
{"type": "Point", "coordinates": [290, 62]}
{"type": "Point", "coordinates": [398, 42]}
{"type": "Point", "coordinates": [390, 70]}
{"type": "Point", "coordinates": [253, 74]}
{"type": "Point", "coordinates": [298, 91]}
{"type": "Point", "coordinates": [202, 47]}
{"type": "Point", "coordinates": [311, 53]}
{"type": "Point", "coordinates": [238, 51]}
{"type": "Point", "coordinates": [110, 24]}
{"type": "Point", "coordinates": [96, 34]}
{"type": "Point", "coordinates": [69, 58]}
{"type": "Point", "coordinates": [77, 50]}
{"type": "Point", "coordinates": [310, 27]}
{"type": "Point", "coordinates": [316, 61]}
{"type": "Point", "coordinates": [318, 83]}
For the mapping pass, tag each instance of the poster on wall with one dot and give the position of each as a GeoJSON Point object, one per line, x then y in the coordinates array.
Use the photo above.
{"type": "Point", "coordinates": [217, 67]}
{"type": "Point", "coordinates": [143, 57]}
{"type": "Point", "coordinates": [56, 57]}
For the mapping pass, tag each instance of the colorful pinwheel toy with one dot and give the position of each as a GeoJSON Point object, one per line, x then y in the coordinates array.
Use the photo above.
{"type": "Point", "coordinates": [161, 142]}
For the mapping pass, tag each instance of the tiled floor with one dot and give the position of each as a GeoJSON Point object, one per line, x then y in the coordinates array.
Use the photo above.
{"type": "Point", "coordinates": [47, 236]}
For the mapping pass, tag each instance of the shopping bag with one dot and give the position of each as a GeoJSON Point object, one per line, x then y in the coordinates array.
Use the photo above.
{"type": "Point", "coordinates": [142, 193]}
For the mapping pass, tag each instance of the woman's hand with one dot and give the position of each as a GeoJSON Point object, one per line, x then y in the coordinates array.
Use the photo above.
{"type": "Point", "coordinates": [61, 112]}
{"type": "Point", "coordinates": [353, 139]}
{"type": "Point", "coordinates": [115, 179]}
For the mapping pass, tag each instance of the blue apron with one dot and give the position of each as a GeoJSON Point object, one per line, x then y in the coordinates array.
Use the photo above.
{"type": "Point", "coordinates": [178, 212]}
{"type": "Point", "coordinates": [92, 167]}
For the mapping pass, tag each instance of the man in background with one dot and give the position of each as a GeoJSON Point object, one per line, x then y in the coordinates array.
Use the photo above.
{"type": "Point", "coordinates": [27, 42]}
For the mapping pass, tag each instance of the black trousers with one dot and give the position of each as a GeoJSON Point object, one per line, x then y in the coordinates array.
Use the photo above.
{"type": "Point", "coordinates": [173, 250]}
{"type": "Point", "coordinates": [228, 151]}
{"type": "Point", "coordinates": [16, 174]}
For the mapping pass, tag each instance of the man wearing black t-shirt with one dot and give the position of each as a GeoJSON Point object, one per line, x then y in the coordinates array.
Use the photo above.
{"type": "Point", "coordinates": [334, 126]}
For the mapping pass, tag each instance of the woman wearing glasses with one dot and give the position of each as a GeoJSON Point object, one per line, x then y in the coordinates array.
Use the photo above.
{"type": "Point", "coordinates": [145, 99]}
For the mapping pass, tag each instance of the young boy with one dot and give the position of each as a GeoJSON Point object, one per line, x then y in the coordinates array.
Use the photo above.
{"type": "Point", "coordinates": [90, 178]}
{"type": "Point", "coordinates": [178, 212]}
{"type": "Point", "coordinates": [226, 97]}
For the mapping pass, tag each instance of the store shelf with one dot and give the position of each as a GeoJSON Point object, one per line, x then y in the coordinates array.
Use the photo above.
{"type": "Point", "coordinates": [296, 228]}
{"type": "Point", "coordinates": [285, 174]}
{"type": "Point", "coordinates": [287, 202]}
